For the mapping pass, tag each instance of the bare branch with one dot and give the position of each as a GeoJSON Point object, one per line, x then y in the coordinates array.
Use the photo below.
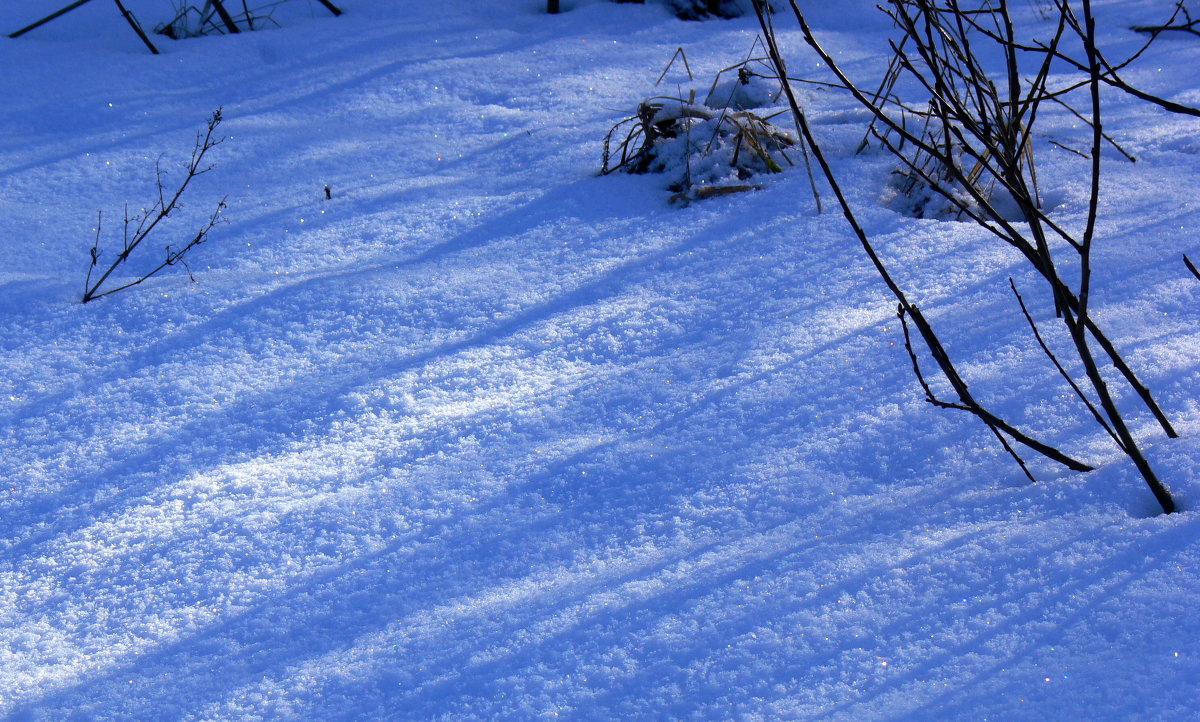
{"type": "Point", "coordinates": [1062, 371]}
{"type": "Point", "coordinates": [977, 137]}
{"type": "Point", "coordinates": [1188, 262]}
{"type": "Point", "coordinates": [931, 398]}
{"type": "Point", "coordinates": [1188, 25]}
{"type": "Point", "coordinates": [147, 221]}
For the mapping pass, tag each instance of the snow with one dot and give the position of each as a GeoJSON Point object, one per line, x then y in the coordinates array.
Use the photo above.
{"type": "Point", "coordinates": [490, 436]}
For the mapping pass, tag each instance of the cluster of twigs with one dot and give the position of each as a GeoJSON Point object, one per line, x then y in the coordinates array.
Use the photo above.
{"type": "Point", "coordinates": [698, 9]}
{"type": "Point", "coordinates": [139, 226]}
{"type": "Point", "coordinates": [921, 199]}
{"type": "Point", "coordinates": [753, 137]}
{"type": "Point", "coordinates": [983, 126]}
{"type": "Point", "coordinates": [214, 18]}
{"type": "Point", "coordinates": [189, 21]}
{"type": "Point", "coordinates": [124, 11]}
{"type": "Point", "coordinates": [1188, 24]}
{"type": "Point", "coordinates": [685, 9]}
{"type": "Point", "coordinates": [717, 143]}
{"type": "Point", "coordinates": [754, 84]}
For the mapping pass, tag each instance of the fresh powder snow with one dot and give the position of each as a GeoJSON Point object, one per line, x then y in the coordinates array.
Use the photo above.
{"type": "Point", "coordinates": [488, 435]}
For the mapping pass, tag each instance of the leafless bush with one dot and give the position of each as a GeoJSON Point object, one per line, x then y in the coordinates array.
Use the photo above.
{"type": "Point", "coordinates": [972, 151]}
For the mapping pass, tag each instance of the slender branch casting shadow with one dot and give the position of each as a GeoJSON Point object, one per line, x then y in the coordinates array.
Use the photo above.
{"type": "Point", "coordinates": [139, 227]}
{"type": "Point", "coordinates": [974, 154]}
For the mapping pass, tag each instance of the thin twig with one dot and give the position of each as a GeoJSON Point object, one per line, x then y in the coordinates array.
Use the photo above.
{"type": "Point", "coordinates": [1188, 25]}
{"type": "Point", "coordinates": [162, 208]}
{"type": "Point", "coordinates": [1188, 262]}
{"type": "Point", "coordinates": [1068, 148]}
{"type": "Point", "coordinates": [1061, 370]}
{"type": "Point", "coordinates": [678, 54]}
{"type": "Point", "coordinates": [931, 398]}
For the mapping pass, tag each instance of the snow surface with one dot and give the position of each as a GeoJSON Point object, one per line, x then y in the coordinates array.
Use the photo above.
{"type": "Point", "coordinates": [488, 436]}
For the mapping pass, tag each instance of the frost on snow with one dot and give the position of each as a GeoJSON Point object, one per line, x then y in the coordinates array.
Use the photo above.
{"type": "Point", "coordinates": [485, 435]}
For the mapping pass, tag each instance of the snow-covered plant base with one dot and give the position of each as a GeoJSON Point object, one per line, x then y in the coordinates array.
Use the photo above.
{"type": "Point", "coordinates": [909, 192]}
{"type": "Point", "coordinates": [698, 148]}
